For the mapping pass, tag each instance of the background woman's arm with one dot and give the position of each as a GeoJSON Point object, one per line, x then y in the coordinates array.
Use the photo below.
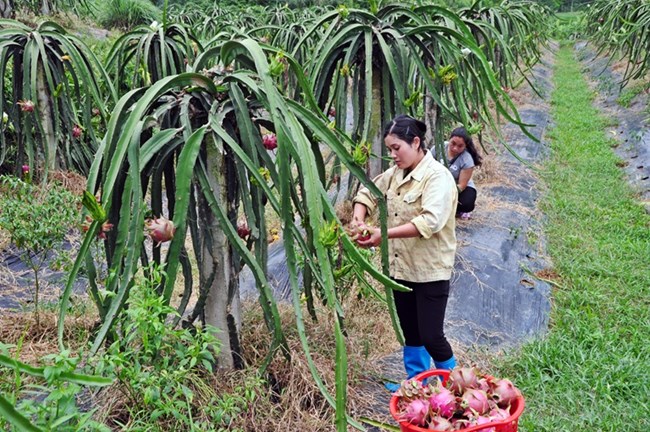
{"type": "Point", "coordinates": [464, 177]}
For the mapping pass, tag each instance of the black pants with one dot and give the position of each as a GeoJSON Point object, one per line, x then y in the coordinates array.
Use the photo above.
{"type": "Point", "coordinates": [422, 315]}
{"type": "Point", "coordinates": [466, 200]}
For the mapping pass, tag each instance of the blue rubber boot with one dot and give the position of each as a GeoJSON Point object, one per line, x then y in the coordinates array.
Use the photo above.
{"type": "Point", "coordinates": [448, 364]}
{"type": "Point", "coordinates": [416, 360]}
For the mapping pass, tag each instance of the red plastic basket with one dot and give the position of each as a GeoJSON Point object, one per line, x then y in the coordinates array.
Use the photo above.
{"type": "Point", "coordinates": [508, 425]}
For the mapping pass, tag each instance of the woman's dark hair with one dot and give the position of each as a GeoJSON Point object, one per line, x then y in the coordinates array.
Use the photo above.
{"type": "Point", "coordinates": [406, 128]}
{"type": "Point", "coordinates": [469, 144]}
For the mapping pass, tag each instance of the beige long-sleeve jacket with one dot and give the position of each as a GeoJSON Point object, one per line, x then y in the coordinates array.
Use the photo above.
{"type": "Point", "coordinates": [426, 197]}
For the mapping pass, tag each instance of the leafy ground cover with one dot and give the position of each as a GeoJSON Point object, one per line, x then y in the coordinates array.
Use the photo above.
{"type": "Point", "coordinates": [587, 373]}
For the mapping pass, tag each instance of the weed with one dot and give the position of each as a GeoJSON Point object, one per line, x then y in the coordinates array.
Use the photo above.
{"type": "Point", "coordinates": [161, 370]}
{"type": "Point", "coordinates": [52, 406]}
{"type": "Point", "coordinates": [126, 14]}
{"type": "Point", "coordinates": [629, 93]}
{"type": "Point", "coordinates": [515, 232]}
{"type": "Point", "coordinates": [37, 219]}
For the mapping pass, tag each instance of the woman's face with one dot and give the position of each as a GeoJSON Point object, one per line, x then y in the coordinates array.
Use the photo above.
{"type": "Point", "coordinates": [456, 146]}
{"type": "Point", "coordinates": [406, 156]}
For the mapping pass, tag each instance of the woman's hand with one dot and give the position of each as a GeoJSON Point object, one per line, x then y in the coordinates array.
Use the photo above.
{"type": "Point", "coordinates": [353, 228]}
{"type": "Point", "coordinates": [365, 236]}
{"type": "Point", "coordinates": [359, 231]}
{"type": "Point", "coordinates": [368, 236]}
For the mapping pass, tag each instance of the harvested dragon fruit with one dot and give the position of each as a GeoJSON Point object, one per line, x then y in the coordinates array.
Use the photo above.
{"type": "Point", "coordinates": [416, 411]}
{"type": "Point", "coordinates": [475, 402]}
{"type": "Point", "coordinates": [504, 392]}
{"type": "Point", "coordinates": [465, 398]}
{"type": "Point", "coordinates": [462, 379]}
{"type": "Point", "coordinates": [443, 401]}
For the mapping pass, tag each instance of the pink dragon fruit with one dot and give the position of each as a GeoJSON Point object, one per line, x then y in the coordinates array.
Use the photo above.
{"type": "Point", "coordinates": [485, 383]}
{"type": "Point", "coordinates": [459, 423]}
{"type": "Point", "coordinates": [498, 414]}
{"type": "Point", "coordinates": [443, 401]}
{"type": "Point", "coordinates": [462, 379]}
{"type": "Point", "coordinates": [416, 412]}
{"type": "Point", "coordinates": [243, 231]}
{"type": "Point", "coordinates": [26, 105]}
{"type": "Point", "coordinates": [106, 227]}
{"type": "Point", "coordinates": [482, 420]}
{"type": "Point", "coordinates": [160, 229]}
{"type": "Point", "coordinates": [475, 402]}
{"type": "Point", "coordinates": [440, 423]}
{"type": "Point", "coordinates": [504, 392]}
{"type": "Point", "coordinates": [270, 141]}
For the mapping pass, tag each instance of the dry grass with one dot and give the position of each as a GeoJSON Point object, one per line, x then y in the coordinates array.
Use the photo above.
{"type": "Point", "coordinates": [344, 212]}
{"type": "Point", "coordinates": [299, 404]}
{"type": "Point", "coordinates": [73, 182]}
{"type": "Point", "coordinates": [33, 342]}
{"type": "Point", "coordinates": [487, 171]}
{"type": "Point", "coordinates": [5, 239]}
{"type": "Point", "coordinates": [289, 400]}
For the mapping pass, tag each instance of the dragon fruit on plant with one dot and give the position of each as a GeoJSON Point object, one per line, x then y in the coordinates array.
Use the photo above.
{"type": "Point", "coordinates": [270, 141]}
{"type": "Point", "coordinates": [160, 229]}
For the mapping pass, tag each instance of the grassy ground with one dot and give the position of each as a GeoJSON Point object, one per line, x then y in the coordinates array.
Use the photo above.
{"type": "Point", "coordinates": [590, 372]}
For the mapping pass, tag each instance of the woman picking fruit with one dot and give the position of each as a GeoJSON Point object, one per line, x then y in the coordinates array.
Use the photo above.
{"type": "Point", "coordinates": [421, 197]}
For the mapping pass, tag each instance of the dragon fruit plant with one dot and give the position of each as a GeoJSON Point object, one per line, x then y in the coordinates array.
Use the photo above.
{"type": "Point", "coordinates": [468, 398]}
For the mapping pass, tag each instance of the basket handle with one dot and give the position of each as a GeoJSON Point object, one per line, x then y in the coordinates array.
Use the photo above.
{"type": "Point", "coordinates": [443, 373]}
